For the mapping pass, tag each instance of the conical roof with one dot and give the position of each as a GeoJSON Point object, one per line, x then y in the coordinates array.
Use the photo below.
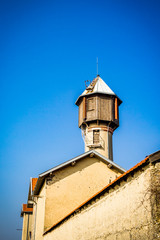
{"type": "Point", "coordinates": [97, 86]}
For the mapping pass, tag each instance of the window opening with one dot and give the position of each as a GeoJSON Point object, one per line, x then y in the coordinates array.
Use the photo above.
{"type": "Point", "coordinates": [96, 136]}
{"type": "Point", "coordinates": [90, 105]}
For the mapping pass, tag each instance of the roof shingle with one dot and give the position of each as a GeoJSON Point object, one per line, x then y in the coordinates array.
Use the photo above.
{"type": "Point", "coordinates": [34, 181]}
{"type": "Point", "coordinates": [26, 209]}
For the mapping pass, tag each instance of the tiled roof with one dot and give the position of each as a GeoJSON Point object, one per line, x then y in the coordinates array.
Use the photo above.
{"type": "Point", "coordinates": [34, 181]}
{"type": "Point", "coordinates": [25, 209]}
{"type": "Point", "coordinates": [101, 191]}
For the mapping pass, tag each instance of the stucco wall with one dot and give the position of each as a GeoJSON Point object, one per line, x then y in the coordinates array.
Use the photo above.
{"type": "Point", "coordinates": [155, 199]}
{"type": "Point", "coordinates": [122, 214]}
{"type": "Point", "coordinates": [24, 229]}
{"type": "Point", "coordinates": [106, 149]}
{"type": "Point", "coordinates": [27, 226]}
{"type": "Point", "coordinates": [39, 211]}
{"type": "Point", "coordinates": [33, 221]}
{"type": "Point", "coordinates": [73, 185]}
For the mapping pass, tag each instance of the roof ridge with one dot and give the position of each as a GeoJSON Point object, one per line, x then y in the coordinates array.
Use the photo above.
{"type": "Point", "coordinates": [79, 157]}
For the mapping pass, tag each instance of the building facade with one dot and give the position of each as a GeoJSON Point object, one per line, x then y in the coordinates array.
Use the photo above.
{"type": "Point", "coordinates": [90, 196]}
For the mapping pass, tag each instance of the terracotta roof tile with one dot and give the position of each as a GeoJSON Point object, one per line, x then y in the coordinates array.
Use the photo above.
{"type": "Point", "coordinates": [26, 209]}
{"type": "Point", "coordinates": [34, 181]}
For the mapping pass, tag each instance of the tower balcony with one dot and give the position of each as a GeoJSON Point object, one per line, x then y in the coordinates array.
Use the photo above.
{"type": "Point", "coordinates": [93, 142]}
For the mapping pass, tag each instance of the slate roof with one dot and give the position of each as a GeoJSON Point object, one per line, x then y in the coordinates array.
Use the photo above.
{"type": "Point", "coordinates": [97, 86]}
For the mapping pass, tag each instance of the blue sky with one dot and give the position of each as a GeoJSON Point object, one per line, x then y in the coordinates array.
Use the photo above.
{"type": "Point", "coordinates": [48, 49]}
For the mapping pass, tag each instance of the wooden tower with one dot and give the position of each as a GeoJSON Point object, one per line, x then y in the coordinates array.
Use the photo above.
{"type": "Point", "coordinates": [98, 116]}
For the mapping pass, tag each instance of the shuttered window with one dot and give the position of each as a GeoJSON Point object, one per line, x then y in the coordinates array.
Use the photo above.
{"type": "Point", "coordinates": [95, 136]}
{"type": "Point", "coordinates": [90, 104]}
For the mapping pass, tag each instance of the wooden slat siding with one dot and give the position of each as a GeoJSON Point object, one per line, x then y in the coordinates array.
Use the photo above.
{"type": "Point", "coordinates": [102, 117]}
{"type": "Point", "coordinates": [96, 107]}
{"type": "Point", "coordinates": [99, 107]}
{"type": "Point", "coordinates": [91, 104]}
{"type": "Point", "coordinates": [80, 113]}
{"type": "Point", "coordinates": [105, 110]}
{"type": "Point", "coordinates": [84, 107]}
{"type": "Point", "coordinates": [116, 109]}
{"type": "Point", "coordinates": [112, 110]}
{"type": "Point", "coordinates": [91, 108]}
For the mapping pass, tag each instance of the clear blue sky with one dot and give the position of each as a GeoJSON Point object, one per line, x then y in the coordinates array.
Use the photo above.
{"type": "Point", "coordinates": [48, 49]}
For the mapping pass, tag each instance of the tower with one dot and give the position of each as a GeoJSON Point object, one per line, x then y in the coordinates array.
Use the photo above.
{"type": "Point", "coordinates": [98, 116]}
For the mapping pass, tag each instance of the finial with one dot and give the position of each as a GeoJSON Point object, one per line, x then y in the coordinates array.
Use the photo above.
{"type": "Point", "coordinates": [97, 67]}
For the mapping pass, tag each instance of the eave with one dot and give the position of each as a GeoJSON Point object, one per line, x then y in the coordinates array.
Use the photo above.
{"type": "Point", "coordinates": [43, 175]}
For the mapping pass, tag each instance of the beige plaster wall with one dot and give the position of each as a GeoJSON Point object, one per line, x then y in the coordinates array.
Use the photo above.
{"type": "Point", "coordinates": [104, 150]}
{"type": "Point", "coordinates": [122, 214]}
{"type": "Point", "coordinates": [39, 210]}
{"type": "Point", "coordinates": [24, 228]}
{"type": "Point", "coordinates": [27, 225]}
{"type": "Point", "coordinates": [155, 199]}
{"type": "Point", "coordinates": [33, 221]}
{"type": "Point", "coordinates": [73, 185]}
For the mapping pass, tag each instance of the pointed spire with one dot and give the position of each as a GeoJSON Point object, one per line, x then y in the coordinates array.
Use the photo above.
{"type": "Point", "coordinates": [97, 86]}
{"type": "Point", "coordinates": [97, 67]}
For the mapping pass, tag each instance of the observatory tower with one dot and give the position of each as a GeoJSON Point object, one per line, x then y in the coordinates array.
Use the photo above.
{"type": "Point", "coordinates": [98, 116]}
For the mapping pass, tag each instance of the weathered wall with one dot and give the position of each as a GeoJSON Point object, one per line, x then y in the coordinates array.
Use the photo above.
{"type": "Point", "coordinates": [105, 105]}
{"type": "Point", "coordinates": [155, 199]}
{"type": "Point", "coordinates": [27, 226]}
{"type": "Point", "coordinates": [122, 214]}
{"type": "Point", "coordinates": [24, 228]}
{"type": "Point", "coordinates": [33, 221]}
{"type": "Point", "coordinates": [73, 185]}
{"type": "Point", "coordinates": [105, 139]}
{"type": "Point", "coordinates": [39, 211]}
{"type": "Point", "coordinates": [81, 113]}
